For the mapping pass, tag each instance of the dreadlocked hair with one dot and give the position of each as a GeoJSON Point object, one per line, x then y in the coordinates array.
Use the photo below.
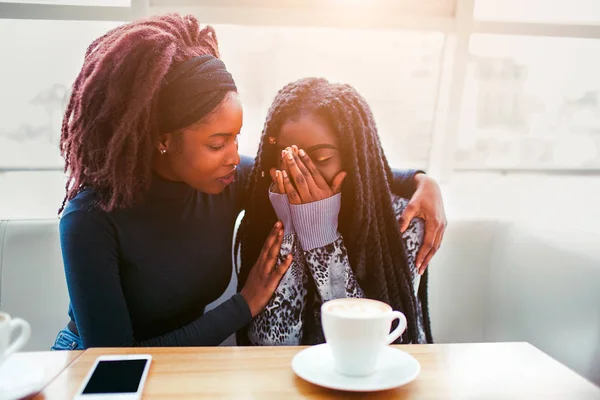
{"type": "Point", "coordinates": [367, 219]}
{"type": "Point", "coordinates": [110, 126]}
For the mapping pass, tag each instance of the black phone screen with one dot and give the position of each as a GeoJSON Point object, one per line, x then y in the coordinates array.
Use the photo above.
{"type": "Point", "coordinates": [117, 376]}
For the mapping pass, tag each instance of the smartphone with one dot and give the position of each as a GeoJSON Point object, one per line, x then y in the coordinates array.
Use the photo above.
{"type": "Point", "coordinates": [116, 377]}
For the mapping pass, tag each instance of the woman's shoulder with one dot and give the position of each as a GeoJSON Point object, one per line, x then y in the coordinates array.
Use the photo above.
{"type": "Point", "coordinates": [82, 216]}
{"type": "Point", "coordinates": [82, 212]}
{"type": "Point", "coordinates": [84, 201]}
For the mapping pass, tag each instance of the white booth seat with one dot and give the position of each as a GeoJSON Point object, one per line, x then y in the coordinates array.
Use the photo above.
{"type": "Point", "coordinates": [491, 281]}
{"type": "Point", "coordinates": [32, 278]}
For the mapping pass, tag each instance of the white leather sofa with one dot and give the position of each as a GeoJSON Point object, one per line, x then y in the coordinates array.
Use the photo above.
{"type": "Point", "coordinates": [491, 281]}
{"type": "Point", "coordinates": [32, 279]}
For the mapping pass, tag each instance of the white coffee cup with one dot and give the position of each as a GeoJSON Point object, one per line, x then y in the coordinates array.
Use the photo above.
{"type": "Point", "coordinates": [357, 331]}
{"type": "Point", "coordinates": [7, 326]}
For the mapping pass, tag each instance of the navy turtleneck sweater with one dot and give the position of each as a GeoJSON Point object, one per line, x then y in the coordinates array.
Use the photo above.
{"type": "Point", "coordinates": [143, 276]}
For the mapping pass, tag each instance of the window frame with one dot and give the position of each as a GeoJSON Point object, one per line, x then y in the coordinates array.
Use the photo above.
{"type": "Point", "coordinates": [137, 9]}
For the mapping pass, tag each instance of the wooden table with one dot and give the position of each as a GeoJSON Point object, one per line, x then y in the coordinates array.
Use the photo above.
{"type": "Point", "coordinates": [453, 371]}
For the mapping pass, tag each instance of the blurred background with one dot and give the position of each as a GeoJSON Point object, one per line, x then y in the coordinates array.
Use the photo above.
{"type": "Point", "coordinates": [497, 99]}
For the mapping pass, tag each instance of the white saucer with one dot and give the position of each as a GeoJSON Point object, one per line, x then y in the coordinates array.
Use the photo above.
{"type": "Point", "coordinates": [395, 368]}
{"type": "Point", "coordinates": [19, 378]}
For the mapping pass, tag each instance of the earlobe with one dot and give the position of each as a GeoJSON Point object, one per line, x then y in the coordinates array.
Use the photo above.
{"type": "Point", "coordinates": [163, 143]}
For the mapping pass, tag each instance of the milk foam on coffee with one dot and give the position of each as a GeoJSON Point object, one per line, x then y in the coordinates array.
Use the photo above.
{"type": "Point", "coordinates": [357, 308]}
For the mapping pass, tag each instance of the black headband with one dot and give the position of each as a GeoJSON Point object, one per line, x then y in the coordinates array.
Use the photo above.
{"type": "Point", "coordinates": [191, 91]}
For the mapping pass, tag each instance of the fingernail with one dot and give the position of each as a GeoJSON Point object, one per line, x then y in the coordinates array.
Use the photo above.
{"type": "Point", "coordinates": [280, 232]}
{"type": "Point", "coordinates": [277, 173]}
{"type": "Point", "coordinates": [278, 224]}
{"type": "Point", "coordinates": [284, 173]}
{"type": "Point", "coordinates": [282, 153]}
{"type": "Point", "coordinates": [302, 153]}
{"type": "Point", "coordinates": [290, 156]}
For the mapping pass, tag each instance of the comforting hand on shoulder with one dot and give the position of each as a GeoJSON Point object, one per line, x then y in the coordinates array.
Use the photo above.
{"type": "Point", "coordinates": [426, 203]}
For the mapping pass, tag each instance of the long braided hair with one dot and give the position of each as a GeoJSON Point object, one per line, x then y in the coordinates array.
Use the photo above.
{"type": "Point", "coordinates": [367, 220]}
{"type": "Point", "coordinates": [110, 127]}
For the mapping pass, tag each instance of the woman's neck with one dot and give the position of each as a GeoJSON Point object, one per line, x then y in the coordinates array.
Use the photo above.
{"type": "Point", "coordinates": [162, 168]}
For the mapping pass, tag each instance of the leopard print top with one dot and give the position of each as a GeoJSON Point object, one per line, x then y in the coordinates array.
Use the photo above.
{"type": "Point", "coordinates": [283, 321]}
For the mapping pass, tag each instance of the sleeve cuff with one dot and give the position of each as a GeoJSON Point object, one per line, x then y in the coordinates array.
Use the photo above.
{"type": "Point", "coordinates": [410, 175]}
{"type": "Point", "coordinates": [403, 183]}
{"type": "Point", "coordinates": [316, 224]}
{"type": "Point", "coordinates": [281, 205]}
{"type": "Point", "coordinates": [242, 306]}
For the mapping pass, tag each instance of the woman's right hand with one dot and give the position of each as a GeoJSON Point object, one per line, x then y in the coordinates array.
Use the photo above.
{"type": "Point", "coordinates": [265, 275]}
{"type": "Point", "coordinates": [277, 178]}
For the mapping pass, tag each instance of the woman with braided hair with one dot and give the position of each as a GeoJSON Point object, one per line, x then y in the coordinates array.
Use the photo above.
{"type": "Point", "coordinates": [155, 186]}
{"type": "Point", "coordinates": [330, 185]}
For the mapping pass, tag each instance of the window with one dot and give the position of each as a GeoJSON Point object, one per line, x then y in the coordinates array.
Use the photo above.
{"type": "Point", "coordinates": [396, 71]}
{"type": "Point", "coordinates": [102, 3]}
{"type": "Point", "coordinates": [401, 90]}
{"type": "Point", "coordinates": [531, 103]}
{"type": "Point", "coordinates": [46, 56]}
{"type": "Point", "coordinates": [512, 85]}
